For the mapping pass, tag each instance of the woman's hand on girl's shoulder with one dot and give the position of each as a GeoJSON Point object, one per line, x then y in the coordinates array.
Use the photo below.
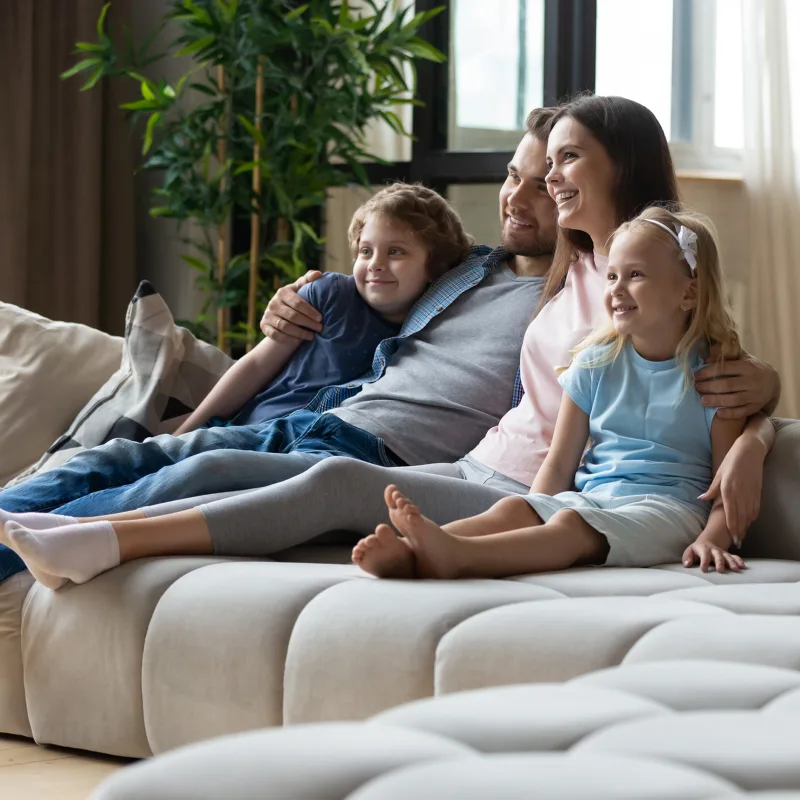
{"type": "Point", "coordinates": [740, 387]}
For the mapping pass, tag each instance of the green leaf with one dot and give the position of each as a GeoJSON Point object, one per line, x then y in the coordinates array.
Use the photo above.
{"type": "Point", "coordinates": [422, 49]}
{"type": "Point", "coordinates": [160, 211]}
{"type": "Point", "coordinates": [148, 134]}
{"type": "Point", "coordinates": [101, 21]}
{"type": "Point", "coordinates": [198, 13]}
{"type": "Point", "coordinates": [81, 66]}
{"type": "Point", "coordinates": [140, 105]}
{"type": "Point", "coordinates": [297, 12]}
{"type": "Point", "coordinates": [194, 47]}
{"type": "Point", "coordinates": [147, 92]}
{"type": "Point", "coordinates": [195, 263]}
{"type": "Point", "coordinates": [251, 129]}
{"type": "Point", "coordinates": [89, 47]}
{"type": "Point", "coordinates": [418, 20]}
{"type": "Point", "coordinates": [94, 78]}
{"type": "Point", "coordinates": [202, 87]}
{"type": "Point", "coordinates": [228, 9]}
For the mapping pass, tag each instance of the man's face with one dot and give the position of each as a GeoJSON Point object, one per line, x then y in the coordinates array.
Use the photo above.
{"type": "Point", "coordinates": [527, 212]}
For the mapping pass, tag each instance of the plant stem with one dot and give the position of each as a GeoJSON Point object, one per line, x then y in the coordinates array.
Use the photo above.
{"type": "Point", "coordinates": [254, 215]}
{"type": "Point", "coordinates": [222, 236]}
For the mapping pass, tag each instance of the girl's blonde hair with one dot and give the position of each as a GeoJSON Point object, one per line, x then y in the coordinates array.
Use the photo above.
{"type": "Point", "coordinates": [711, 320]}
{"type": "Point", "coordinates": [431, 218]}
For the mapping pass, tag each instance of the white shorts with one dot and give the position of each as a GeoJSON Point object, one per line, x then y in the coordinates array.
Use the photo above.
{"type": "Point", "coordinates": [642, 530]}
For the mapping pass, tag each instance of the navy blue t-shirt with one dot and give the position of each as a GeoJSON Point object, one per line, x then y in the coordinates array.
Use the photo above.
{"type": "Point", "coordinates": [342, 352]}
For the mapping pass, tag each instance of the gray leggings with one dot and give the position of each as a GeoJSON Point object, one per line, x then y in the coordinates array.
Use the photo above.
{"type": "Point", "coordinates": [340, 494]}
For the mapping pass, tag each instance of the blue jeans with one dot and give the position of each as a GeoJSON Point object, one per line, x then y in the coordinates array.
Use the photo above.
{"type": "Point", "coordinates": [123, 475]}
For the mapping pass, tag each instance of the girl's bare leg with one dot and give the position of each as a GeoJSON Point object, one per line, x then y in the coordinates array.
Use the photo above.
{"type": "Point", "coordinates": [124, 515]}
{"type": "Point", "coordinates": [565, 540]}
{"type": "Point", "coordinates": [181, 533]}
{"type": "Point", "coordinates": [80, 552]}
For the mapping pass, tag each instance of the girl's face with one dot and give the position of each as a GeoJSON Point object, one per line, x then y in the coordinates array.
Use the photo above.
{"type": "Point", "coordinates": [391, 267]}
{"type": "Point", "coordinates": [649, 293]}
{"type": "Point", "coordinates": [581, 179]}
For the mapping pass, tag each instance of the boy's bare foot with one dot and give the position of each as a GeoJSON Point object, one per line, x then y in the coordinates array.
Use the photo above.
{"type": "Point", "coordinates": [436, 550]}
{"type": "Point", "coordinates": [385, 555]}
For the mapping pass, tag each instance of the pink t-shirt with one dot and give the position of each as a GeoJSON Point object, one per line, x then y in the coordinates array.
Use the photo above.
{"type": "Point", "coordinates": [518, 445]}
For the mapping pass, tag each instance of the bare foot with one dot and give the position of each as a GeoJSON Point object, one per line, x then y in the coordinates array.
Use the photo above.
{"type": "Point", "coordinates": [385, 555]}
{"type": "Point", "coordinates": [436, 550]}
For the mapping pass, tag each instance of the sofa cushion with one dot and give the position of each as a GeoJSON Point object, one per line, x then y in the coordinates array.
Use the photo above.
{"type": "Point", "coordinates": [47, 372]}
{"type": "Point", "coordinates": [513, 719]}
{"type": "Point", "coordinates": [753, 750]}
{"type": "Point", "coordinates": [165, 373]}
{"type": "Point", "coordinates": [13, 710]}
{"type": "Point", "coordinates": [319, 762]}
{"type": "Point", "coordinates": [204, 675]}
{"type": "Point", "coordinates": [698, 685]}
{"type": "Point", "coordinates": [540, 775]}
{"type": "Point", "coordinates": [82, 655]}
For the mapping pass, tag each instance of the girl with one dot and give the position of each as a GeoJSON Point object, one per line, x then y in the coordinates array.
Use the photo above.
{"type": "Point", "coordinates": [654, 446]}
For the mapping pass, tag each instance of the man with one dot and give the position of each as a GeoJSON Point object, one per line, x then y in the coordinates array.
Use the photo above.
{"type": "Point", "coordinates": [430, 397]}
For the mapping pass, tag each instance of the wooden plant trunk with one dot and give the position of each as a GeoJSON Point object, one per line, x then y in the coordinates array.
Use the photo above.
{"type": "Point", "coordinates": [255, 228]}
{"type": "Point", "coordinates": [223, 233]}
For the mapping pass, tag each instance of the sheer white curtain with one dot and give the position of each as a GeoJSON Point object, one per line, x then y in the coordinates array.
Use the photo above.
{"type": "Point", "coordinates": [773, 183]}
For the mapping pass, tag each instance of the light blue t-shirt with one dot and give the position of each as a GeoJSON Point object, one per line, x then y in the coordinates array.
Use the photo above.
{"type": "Point", "coordinates": [649, 435]}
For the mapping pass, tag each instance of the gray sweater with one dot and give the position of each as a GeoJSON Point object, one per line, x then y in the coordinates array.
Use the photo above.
{"type": "Point", "coordinates": [448, 384]}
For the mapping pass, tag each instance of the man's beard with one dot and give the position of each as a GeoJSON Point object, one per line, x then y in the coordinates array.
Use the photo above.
{"type": "Point", "coordinates": [529, 249]}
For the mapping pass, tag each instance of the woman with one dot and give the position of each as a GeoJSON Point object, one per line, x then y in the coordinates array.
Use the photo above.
{"type": "Point", "coordinates": [608, 160]}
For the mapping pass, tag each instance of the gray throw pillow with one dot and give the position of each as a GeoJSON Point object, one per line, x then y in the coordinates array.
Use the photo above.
{"type": "Point", "coordinates": [165, 374]}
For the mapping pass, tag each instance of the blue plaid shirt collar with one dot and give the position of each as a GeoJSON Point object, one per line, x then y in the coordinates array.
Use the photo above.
{"type": "Point", "coordinates": [481, 262]}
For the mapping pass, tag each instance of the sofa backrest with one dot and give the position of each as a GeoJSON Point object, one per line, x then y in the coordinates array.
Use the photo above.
{"type": "Point", "coordinates": [776, 532]}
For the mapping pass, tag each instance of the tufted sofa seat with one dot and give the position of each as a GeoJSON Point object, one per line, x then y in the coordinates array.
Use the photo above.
{"type": "Point", "coordinates": [672, 729]}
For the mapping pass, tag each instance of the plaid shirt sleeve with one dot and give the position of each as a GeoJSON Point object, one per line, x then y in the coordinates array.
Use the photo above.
{"type": "Point", "coordinates": [519, 392]}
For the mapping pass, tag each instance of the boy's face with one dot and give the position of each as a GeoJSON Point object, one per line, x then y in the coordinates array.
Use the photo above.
{"type": "Point", "coordinates": [390, 269]}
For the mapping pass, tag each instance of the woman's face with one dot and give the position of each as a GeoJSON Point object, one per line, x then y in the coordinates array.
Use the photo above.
{"type": "Point", "coordinates": [581, 179]}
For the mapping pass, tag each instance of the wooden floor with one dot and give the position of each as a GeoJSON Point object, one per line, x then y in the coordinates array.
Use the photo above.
{"type": "Point", "coordinates": [31, 772]}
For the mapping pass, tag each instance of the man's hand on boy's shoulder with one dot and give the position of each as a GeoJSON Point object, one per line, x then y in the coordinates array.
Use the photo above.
{"type": "Point", "coordinates": [288, 317]}
{"type": "Point", "coordinates": [739, 387]}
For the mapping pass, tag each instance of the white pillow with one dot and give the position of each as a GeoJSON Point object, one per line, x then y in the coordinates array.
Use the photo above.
{"type": "Point", "coordinates": [48, 370]}
{"type": "Point", "coordinates": [164, 374]}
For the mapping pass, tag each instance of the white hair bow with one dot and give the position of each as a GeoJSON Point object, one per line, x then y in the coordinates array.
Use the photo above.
{"type": "Point", "coordinates": [687, 241]}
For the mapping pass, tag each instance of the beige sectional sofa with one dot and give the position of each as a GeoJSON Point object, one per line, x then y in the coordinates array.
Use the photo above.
{"type": "Point", "coordinates": [165, 652]}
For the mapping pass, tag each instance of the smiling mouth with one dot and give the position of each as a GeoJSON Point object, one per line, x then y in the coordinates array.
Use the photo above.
{"type": "Point", "coordinates": [620, 310]}
{"type": "Point", "coordinates": [563, 197]}
{"type": "Point", "coordinates": [518, 222]}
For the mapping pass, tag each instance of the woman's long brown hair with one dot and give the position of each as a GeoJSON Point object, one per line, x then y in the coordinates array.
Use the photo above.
{"type": "Point", "coordinates": [633, 138]}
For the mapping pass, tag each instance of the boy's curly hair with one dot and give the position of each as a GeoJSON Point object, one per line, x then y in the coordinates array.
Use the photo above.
{"type": "Point", "coordinates": [427, 214]}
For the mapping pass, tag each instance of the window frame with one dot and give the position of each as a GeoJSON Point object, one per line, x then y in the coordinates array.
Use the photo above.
{"type": "Point", "coordinates": [694, 92]}
{"type": "Point", "coordinates": [569, 67]}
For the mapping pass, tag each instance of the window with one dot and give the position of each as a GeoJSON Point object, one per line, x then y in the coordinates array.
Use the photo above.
{"type": "Point", "coordinates": [496, 71]}
{"type": "Point", "coordinates": [693, 78]}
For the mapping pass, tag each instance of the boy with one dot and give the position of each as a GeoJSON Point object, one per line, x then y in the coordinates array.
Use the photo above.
{"type": "Point", "coordinates": [402, 239]}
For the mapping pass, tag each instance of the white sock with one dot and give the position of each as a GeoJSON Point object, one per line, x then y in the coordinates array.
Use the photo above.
{"type": "Point", "coordinates": [36, 521]}
{"type": "Point", "coordinates": [77, 552]}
